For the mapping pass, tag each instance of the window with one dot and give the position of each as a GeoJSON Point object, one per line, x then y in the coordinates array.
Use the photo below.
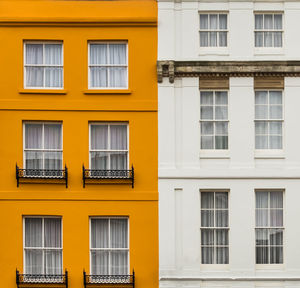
{"type": "Point", "coordinates": [43, 245]}
{"type": "Point", "coordinates": [214, 119]}
{"type": "Point", "coordinates": [43, 65]}
{"type": "Point", "coordinates": [108, 65]}
{"type": "Point", "coordinates": [109, 146]}
{"type": "Point", "coordinates": [268, 120]}
{"type": "Point", "coordinates": [268, 30]}
{"type": "Point", "coordinates": [43, 146]}
{"type": "Point", "coordinates": [269, 227]}
{"type": "Point", "coordinates": [214, 228]}
{"type": "Point", "coordinates": [213, 30]}
{"type": "Point", "coordinates": [109, 246]}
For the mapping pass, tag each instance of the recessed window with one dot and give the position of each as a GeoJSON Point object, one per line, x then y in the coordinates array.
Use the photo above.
{"type": "Point", "coordinates": [109, 250]}
{"type": "Point", "coordinates": [214, 119]}
{"type": "Point", "coordinates": [109, 146]}
{"type": "Point", "coordinates": [43, 245]}
{"type": "Point", "coordinates": [108, 65]}
{"type": "Point", "coordinates": [213, 29]}
{"type": "Point", "coordinates": [214, 228]}
{"type": "Point", "coordinates": [43, 65]}
{"type": "Point", "coordinates": [269, 227]}
{"type": "Point", "coordinates": [268, 30]}
{"type": "Point", "coordinates": [43, 145]}
{"type": "Point", "coordinates": [268, 119]}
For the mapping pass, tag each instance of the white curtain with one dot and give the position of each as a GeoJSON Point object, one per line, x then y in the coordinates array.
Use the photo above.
{"type": "Point", "coordinates": [204, 39]}
{"type": "Point", "coordinates": [33, 136]}
{"type": "Point", "coordinates": [99, 137]}
{"type": "Point", "coordinates": [52, 136]}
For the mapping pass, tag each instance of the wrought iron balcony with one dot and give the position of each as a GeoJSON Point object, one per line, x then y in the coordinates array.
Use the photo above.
{"type": "Point", "coordinates": [43, 280]}
{"type": "Point", "coordinates": [119, 281]}
{"type": "Point", "coordinates": [42, 174]}
{"type": "Point", "coordinates": [95, 174]}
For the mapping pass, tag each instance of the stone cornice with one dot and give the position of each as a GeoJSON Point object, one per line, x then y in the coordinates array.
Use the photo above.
{"type": "Point", "coordinates": [172, 69]}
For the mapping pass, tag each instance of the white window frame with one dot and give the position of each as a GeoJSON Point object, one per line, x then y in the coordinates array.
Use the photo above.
{"type": "Point", "coordinates": [225, 48]}
{"type": "Point", "coordinates": [108, 139]}
{"type": "Point", "coordinates": [270, 153]}
{"type": "Point", "coordinates": [214, 152]}
{"type": "Point", "coordinates": [109, 249]}
{"type": "Point", "coordinates": [43, 240]}
{"type": "Point", "coordinates": [270, 266]}
{"type": "Point", "coordinates": [43, 65]}
{"type": "Point", "coordinates": [41, 150]}
{"type": "Point", "coordinates": [107, 65]}
{"type": "Point", "coordinates": [214, 265]}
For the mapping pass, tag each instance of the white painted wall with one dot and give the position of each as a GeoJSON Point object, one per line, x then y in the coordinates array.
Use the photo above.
{"type": "Point", "coordinates": [184, 169]}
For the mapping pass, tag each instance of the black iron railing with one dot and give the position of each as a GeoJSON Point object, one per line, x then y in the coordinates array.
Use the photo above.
{"type": "Point", "coordinates": [41, 174]}
{"type": "Point", "coordinates": [108, 174]}
{"type": "Point", "coordinates": [103, 280]}
{"type": "Point", "coordinates": [26, 279]}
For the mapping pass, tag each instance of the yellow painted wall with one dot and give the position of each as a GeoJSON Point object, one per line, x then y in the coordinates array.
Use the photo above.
{"type": "Point", "coordinates": [75, 23]}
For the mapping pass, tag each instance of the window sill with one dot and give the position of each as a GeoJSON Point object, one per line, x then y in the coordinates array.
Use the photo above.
{"type": "Point", "coordinates": [107, 91]}
{"type": "Point", "coordinates": [269, 51]}
{"type": "Point", "coordinates": [214, 51]}
{"type": "Point", "coordinates": [214, 267]}
{"type": "Point", "coordinates": [276, 154]}
{"type": "Point", "coordinates": [43, 91]}
{"type": "Point", "coordinates": [214, 154]}
{"type": "Point", "coordinates": [269, 267]}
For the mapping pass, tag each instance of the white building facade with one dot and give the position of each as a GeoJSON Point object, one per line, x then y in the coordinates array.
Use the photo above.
{"type": "Point", "coordinates": [229, 157]}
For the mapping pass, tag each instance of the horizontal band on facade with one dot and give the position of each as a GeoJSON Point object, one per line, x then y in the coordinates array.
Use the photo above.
{"type": "Point", "coordinates": [223, 69]}
{"type": "Point", "coordinates": [229, 279]}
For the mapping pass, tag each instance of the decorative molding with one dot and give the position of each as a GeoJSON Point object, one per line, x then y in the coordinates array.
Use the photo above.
{"type": "Point", "coordinates": [213, 83]}
{"type": "Point", "coordinates": [225, 69]}
{"type": "Point", "coordinates": [268, 82]}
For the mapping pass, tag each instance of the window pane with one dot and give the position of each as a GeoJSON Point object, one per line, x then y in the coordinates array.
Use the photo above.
{"type": "Point", "coordinates": [223, 39]}
{"type": "Point", "coordinates": [213, 21]}
{"type": "Point", "coordinates": [34, 160]}
{"type": "Point", "coordinates": [99, 160]}
{"type": "Point", "coordinates": [213, 39]}
{"type": "Point", "coordinates": [221, 128]}
{"type": "Point", "coordinates": [275, 142]}
{"type": "Point", "coordinates": [221, 98]}
{"type": "Point", "coordinates": [206, 112]}
{"type": "Point", "coordinates": [207, 218]}
{"type": "Point", "coordinates": [207, 142]}
{"type": "Point", "coordinates": [275, 97]}
{"type": "Point", "coordinates": [34, 262]}
{"type": "Point", "coordinates": [117, 54]}
{"type": "Point", "coordinates": [98, 77]}
{"type": "Point", "coordinates": [276, 255]}
{"type": "Point", "coordinates": [276, 218]}
{"type": "Point", "coordinates": [277, 39]}
{"type": "Point", "coordinates": [118, 77]}
{"type": "Point", "coordinates": [268, 36]}
{"type": "Point", "coordinates": [207, 128]}
{"type": "Point", "coordinates": [98, 54]}
{"type": "Point", "coordinates": [203, 39]}
{"type": "Point", "coordinates": [276, 199]}
{"type": "Point", "coordinates": [221, 218]}
{"type": "Point", "coordinates": [207, 200]}
{"type": "Point", "coordinates": [53, 77]}
{"type": "Point", "coordinates": [276, 237]}
{"type": "Point", "coordinates": [277, 21]}
{"type": "Point", "coordinates": [207, 255]}
{"type": "Point", "coordinates": [34, 76]}
{"type": "Point", "coordinates": [118, 161]}
{"type": "Point", "coordinates": [221, 200]}
{"type": "Point", "coordinates": [118, 137]}
{"type": "Point", "coordinates": [119, 262]}
{"type": "Point", "coordinates": [261, 199]}
{"type": "Point", "coordinates": [276, 112]}
{"type": "Point", "coordinates": [223, 21]}
{"type": "Point", "coordinates": [221, 112]}
{"type": "Point", "coordinates": [261, 97]}
{"type": "Point", "coordinates": [261, 128]}
{"type": "Point", "coordinates": [259, 39]}
{"type": "Point", "coordinates": [52, 232]}
{"type": "Point", "coordinates": [203, 21]}
{"type": "Point", "coordinates": [53, 54]}
{"type": "Point", "coordinates": [99, 137]}
{"type": "Point", "coordinates": [53, 262]}
{"type": "Point", "coordinates": [262, 218]}
{"type": "Point", "coordinates": [99, 233]}
{"type": "Point", "coordinates": [268, 21]}
{"type": "Point", "coordinates": [222, 255]}
{"type": "Point", "coordinates": [275, 128]}
{"type": "Point", "coordinates": [262, 255]}
{"type": "Point", "coordinates": [262, 237]}
{"type": "Point", "coordinates": [222, 237]}
{"type": "Point", "coordinates": [33, 232]}
{"type": "Point", "coordinates": [52, 133]}
{"type": "Point", "coordinates": [207, 237]}
{"type": "Point", "coordinates": [99, 262]}
{"type": "Point", "coordinates": [33, 136]}
{"type": "Point", "coordinates": [261, 142]}
{"type": "Point", "coordinates": [221, 142]}
{"type": "Point", "coordinates": [34, 53]}
{"type": "Point", "coordinates": [259, 21]}
{"type": "Point", "coordinates": [261, 112]}
{"type": "Point", "coordinates": [119, 233]}
{"type": "Point", "coordinates": [206, 98]}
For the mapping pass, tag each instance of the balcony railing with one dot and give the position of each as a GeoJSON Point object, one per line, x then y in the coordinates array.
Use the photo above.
{"type": "Point", "coordinates": [43, 280]}
{"type": "Point", "coordinates": [50, 174]}
{"type": "Point", "coordinates": [95, 174]}
{"type": "Point", "coordinates": [108, 280]}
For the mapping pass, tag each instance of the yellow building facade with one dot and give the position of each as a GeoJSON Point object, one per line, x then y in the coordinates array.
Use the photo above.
{"type": "Point", "coordinates": [78, 149]}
